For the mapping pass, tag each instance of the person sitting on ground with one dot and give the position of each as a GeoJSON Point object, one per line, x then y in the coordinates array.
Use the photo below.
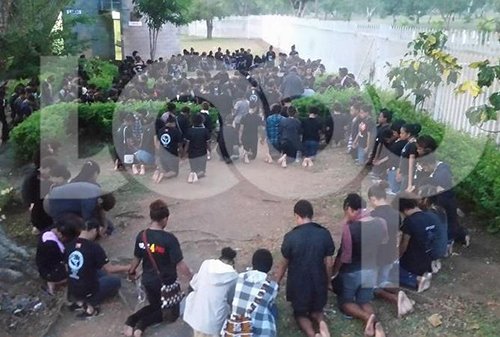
{"type": "Point", "coordinates": [169, 146]}
{"type": "Point", "coordinates": [88, 174]}
{"type": "Point", "coordinates": [162, 261]}
{"type": "Point", "coordinates": [89, 282]}
{"type": "Point", "coordinates": [356, 263]}
{"type": "Point", "coordinates": [209, 304]}
{"type": "Point", "coordinates": [50, 250]}
{"type": "Point", "coordinates": [197, 145]}
{"type": "Point", "coordinates": [308, 256]}
{"type": "Point", "coordinates": [311, 129]}
{"type": "Point", "coordinates": [415, 247]}
{"type": "Point", "coordinates": [255, 287]}
{"type": "Point", "coordinates": [387, 255]}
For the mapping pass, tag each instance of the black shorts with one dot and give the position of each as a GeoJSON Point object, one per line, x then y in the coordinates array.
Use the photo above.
{"type": "Point", "coordinates": [57, 274]}
{"type": "Point", "coordinates": [304, 305]}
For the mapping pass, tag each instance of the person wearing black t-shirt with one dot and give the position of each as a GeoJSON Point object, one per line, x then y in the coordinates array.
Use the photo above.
{"type": "Point", "coordinates": [406, 169]}
{"type": "Point", "coordinates": [250, 134]}
{"type": "Point", "coordinates": [89, 283]}
{"type": "Point", "coordinates": [50, 250]}
{"type": "Point", "coordinates": [183, 121]}
{"type": "Point", "coordinates": [415, 247]}
{"type": "Point", "coordinates": [308, 256]}
{"type": "Point", "coordinates": [197, 145]}
{"type": "Point", "coordinates": [311, 129]}
{"type": "Point", "coordinates": [387, 255]}
{"type": "Point", "coordinates": [391, 154]}
{"type": "Point", "coordinates": [169, 144]}
{"type": "Point", "coordinates": [384, 120]}
{"type": "Point", "coordinates": [161, 247]}
{"type": "Point", "coordinates": [270, 57]}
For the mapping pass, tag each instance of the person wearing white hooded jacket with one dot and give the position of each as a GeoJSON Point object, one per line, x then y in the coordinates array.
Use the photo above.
{"type": "Point", "coordinates": [209, 304]}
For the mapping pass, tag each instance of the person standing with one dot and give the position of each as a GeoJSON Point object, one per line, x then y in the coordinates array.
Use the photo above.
{"type": "Point", "coordinates": [366, 133]}
{"type": "Point", "coordinates": [292, 86]}
{"type": "Point", "coordinates": [308, 256]}
{"type": "Point", "coordinates": [162, 261]}
{"type": "Point", "coordinates": [208, 305]}
{"type": "Point", "coordinates": [407, 163]}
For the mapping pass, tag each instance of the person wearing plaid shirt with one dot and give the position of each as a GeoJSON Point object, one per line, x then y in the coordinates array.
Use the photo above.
{"type": "Point", "coordinates": [249, 284]}
{"type": "Point", "coordinates": [273, 132]}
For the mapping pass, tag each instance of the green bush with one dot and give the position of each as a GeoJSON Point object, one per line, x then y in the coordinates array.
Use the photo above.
{"type": "Point", "coordinates": [101, 73]}
{"type": "Point", "coordinates": [95, 122]}
{"type": "Point", "coordinates": [6, 194]}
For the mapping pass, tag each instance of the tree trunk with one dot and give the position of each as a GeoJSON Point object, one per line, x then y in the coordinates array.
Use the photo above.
{"type": "Point", "coordinates": [210, 28]}
{"type": "Point", "coordinates": [316, 9]}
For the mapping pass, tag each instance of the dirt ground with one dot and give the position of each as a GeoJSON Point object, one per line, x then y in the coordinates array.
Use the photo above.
{"type": "Point", "coordinates": [249, 207]}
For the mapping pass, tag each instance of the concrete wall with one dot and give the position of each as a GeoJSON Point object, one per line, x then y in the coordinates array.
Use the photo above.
{"type": "Point", "coordinates": [365, 49]}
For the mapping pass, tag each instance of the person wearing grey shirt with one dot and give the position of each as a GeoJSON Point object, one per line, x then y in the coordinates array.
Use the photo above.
{"type": "Point", "coordinates": [292, 85]}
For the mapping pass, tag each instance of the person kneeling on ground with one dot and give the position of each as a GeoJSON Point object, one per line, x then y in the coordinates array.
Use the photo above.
{"type": "Point", "coordinates": [169, 145]}
{"type": "Point", "coordinates": [197, 146]}
{"type": "Point", "coordinates": [89, 283]}
{"type": "Point", "coordinates": [50, 250]}
{"type": "Point", "coordinates": [208, 305]}
{"type": "Point", "coordinates": [356, 263]}
{"type": "Point", "coordinates": [388, 253]}
{"type": "Point", "coordinates": [255, 289]}
{"type": "Point", "coordinates": [415, 247]}
{"type": "Point", "coordinates": [308, 255]}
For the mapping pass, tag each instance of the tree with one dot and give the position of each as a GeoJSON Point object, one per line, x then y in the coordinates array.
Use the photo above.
{"type": "Point", "coordinates": [424, 67]}
{"type": "Point", "coordinates": [28, 34]}
{"type": "Point", "coordinates": [207, 10]}
{"type": "Point", "coordinates": [392, 8]}
{"type": "Point", "coordinates": [417, 9]}
{"type": "Point", "coordinates": [369, 7]}
{"type": "Point", "coordinates": [299, 7]}
{"type": "Point", "coordinates": [449, 8]}
{"type": "Point", "coordinates": [157, 13]}
{"type": "Point", "coordinates": [339, 8]}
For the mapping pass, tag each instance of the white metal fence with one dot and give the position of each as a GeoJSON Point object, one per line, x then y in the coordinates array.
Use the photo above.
{"type": "Point", "coordinates": [365, 49]}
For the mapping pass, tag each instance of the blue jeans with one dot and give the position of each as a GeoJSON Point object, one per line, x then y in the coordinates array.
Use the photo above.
{"type": "Point", "coordinates": [407, 278]}
{"type": "Point", "coordinates": [357, 286]}
{"type": "Point", "coordinates": [108, 287]}
{"type": "Point", "coordinates": [310, 148]}
{"type": "Point", "coordinates": [394, 185]}
{"type": "Point", "coordinates": [361, 155]}
{"type": "Point", "coordinates": [145, 158]}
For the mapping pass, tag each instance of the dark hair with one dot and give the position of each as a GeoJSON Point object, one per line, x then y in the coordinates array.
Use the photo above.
{"type": "Point", "coordinates": [171, 107]}
{"type": "Point", "coordinates": [92, 224]}
{"type": "Point", "coordinates": [314, 110]}
{"type": "Point", "coordinates": [60, 171]}
{"type": "Point", "coordinates": [387, 134]}
{"type": "Point", "coordinates": [186, 110]}
{"type": "Point", "coordinates": [275, 109]}
{"type": "Point", "coordinates": [367, 108]}
{"type": "Point", "coordinates": [171, 120]}
{"type": "Point", "coordinates": [205, 106]}
{"type": "Point", "coordinates": [158, 210]}
{"type": "Point", "coordinates": [429, 193]}
{"type": "Point", "coordinates": [108, 201]}
{"type": "Point", "coordinates": [397, 125]}
{"type": "Point", "coordinates": [377, 191]}
{"type": "Point", "coordinates": [86, 173]}
{"type": "Point", "coordinates": [228, 254]}
{"type": "Point", "coordinates": [304, 209]}
{"type": "Point", "coordinates": [427, 142]}
{"type": "Point", "coordinates": [354, 201]}
{"type": "Point", "coordinates": [70, 225]}
{"type": "Point", "coordinates": [405, 201]}
{"type": "Point", "coordinates": [197, 120]}
{"type": "Point", "coordinates": [387, 114]}
{"type": "Point", "coordinates": [262, 260]}
{"type": "Point", "coordinates": [291, 111]}
{"type": "Point", "coordinates": [357, 106]}
{"type": "Point", "coordinates": [413, 129]}
{"type": "Point", "coordinates": [337, 107]}
{"type": "Point", "coordinates": [49, 162]}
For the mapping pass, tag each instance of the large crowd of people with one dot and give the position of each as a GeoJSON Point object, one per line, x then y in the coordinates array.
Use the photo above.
{"type": "Point", "coordinates": [398, 239]}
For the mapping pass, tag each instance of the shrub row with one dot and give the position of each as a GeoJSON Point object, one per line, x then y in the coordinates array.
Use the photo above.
{"type": "Point", "coordinates": [95, 122]}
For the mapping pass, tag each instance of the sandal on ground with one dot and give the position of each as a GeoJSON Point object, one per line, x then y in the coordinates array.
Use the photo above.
{"type": "Point", "coordinates": [85, 314]}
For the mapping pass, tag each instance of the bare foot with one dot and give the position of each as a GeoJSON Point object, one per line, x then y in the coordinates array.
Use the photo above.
{"type": "Point", "coordinates": [191, 177]}
{"type": "Point", "coordinates": [323, 329]}
{"type": "Point", "coordinates": [128, 331]}
{"type": "Point", "coordinates": [159, 178]}
{"type": "Point", "coordinates": [143, 170]}
{"type": "Point", "coordinates": [137, 333]}
{"type": "Point", "coordinates": [379, 331]}
{"type": "Point", "coordinates": [134, 170]}
{"type": "Point", "coordinates": [155, 175]}
{"type": "Point", "coordinates": [370, 326]}
{"type": "Point", "coordinates": [425, 282]}
{"type": "Point", "coordinates": [405, 306]}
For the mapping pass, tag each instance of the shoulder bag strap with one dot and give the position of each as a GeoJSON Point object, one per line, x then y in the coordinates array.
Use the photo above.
{"type": "Point", "coordinates": [151, 258]}
{"type": "Point", "coordinates": [258, 298]}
